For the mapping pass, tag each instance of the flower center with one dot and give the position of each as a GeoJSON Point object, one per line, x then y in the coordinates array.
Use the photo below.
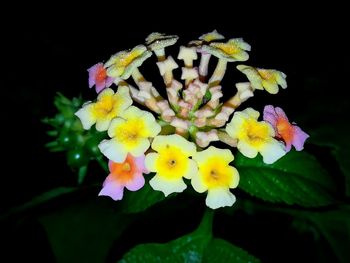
{"type": "Point", "coordinates": [171, 163]}
{"type": "Point", "coordinates": [124, 172]}
{"type": "Point", "coordinates": [256, 133]}
{"type": "Point", "coordinates": [266, 74]}
{"type": "Point", "coordinates": [106, 107]}
{"type": "Point", "coordinates": [216, 173]}
{"type": "Point", "coordinates": [130, 133]}
{"type": "Point", "coordinates": [285, 130]}
{"type": "Point", "coordinates": [229, 49]}
{"type": "Point", "coordinates": [101, 75]}
{"type": "Point", "coordinates": [126, 167]}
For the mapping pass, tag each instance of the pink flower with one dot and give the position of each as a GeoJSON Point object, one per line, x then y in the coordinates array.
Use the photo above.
{"type": "Point", "coordinates": [98, 77]}
{"type": "Point", "coordinates": [127, 174]}
{"type": "Point", "coordinates": [289, 133]}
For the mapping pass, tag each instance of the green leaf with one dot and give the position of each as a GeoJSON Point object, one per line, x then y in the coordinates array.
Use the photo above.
{"type": "Point", "coordinates": [199, 246]}
{"type": "Point", "coordinates": [335, 227]}
{"type": "Point", "coordinates": [297, 178]}
{"type": "Point", "coordinates": [83, 231]}
{"type": "Point", "coordinates": [220, 250]}
{"type": "Point", "coordinates": [189, 248]}
{"type": "Point", "coordinates": [328, 136]}
{"type": "Point", "coordinates": [134, 202]}
{"type": "Point", "coordinates": [40, 199]}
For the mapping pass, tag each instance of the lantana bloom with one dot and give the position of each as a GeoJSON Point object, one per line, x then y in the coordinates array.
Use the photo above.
{"type": "Point", "coordinates": [123, 63]}
{"type": "Point", "coordinates": [216, 176]}
{"type": "Point", "coordinates": [108, 106]}
{"type": "Point", "coordinates": [254, 136]}
{"type": "Point", "coordinates": [130, 133]}
{"type": "Point", "coordinates": [171, 163]}
{"type": "Point", "coordinates": [267, 79]}
{"type": "Point", "coordinates": [98, 77]}
{"type": "Point", "coordinates": [127, 174]}
{"type": "Point", "coordinates": [289, 133]}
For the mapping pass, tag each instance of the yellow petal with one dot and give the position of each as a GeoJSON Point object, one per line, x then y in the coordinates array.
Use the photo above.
{"type": "Point", "coordinates": [162, 141]}
{"type": "Point", "coordinates": [203, 156]}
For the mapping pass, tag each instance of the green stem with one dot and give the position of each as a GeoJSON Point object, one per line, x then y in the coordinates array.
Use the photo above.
{"type": "Point", "coordinates": [206, 224]}
{"type": "Point", "coordinates": [102, 163]}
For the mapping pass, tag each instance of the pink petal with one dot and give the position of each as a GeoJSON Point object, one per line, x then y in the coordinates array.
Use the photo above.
{"type": "Point", "coordinates": [112, 189]}
{"type": "Point", "coordinates": [288, 146]}
{"type": "Point", "coordinates": [137, 183]}
{"type": "Point", "coordinates": [140, 163]}
{"type": "Point", "coordinates": [299, 138]}
{"type": "Point", "coordinates": [270, 118]}
{"type": "Point", "coordinates": [109, 81]}
{"type": "Point", "coordinates": [270, 115]}
{"type": "Point", "coordinates": [92, 73]}
{"type": "Point", "coordinates": [91, 80]}
{"type": "Point", "coordinates": [281, 113]}
{"type": "Point", "coordinates": [110, 165]}
{"type": "Point", "coordinates": [100, 86]}
{"type": "Point", "coordinates": [270, 109]}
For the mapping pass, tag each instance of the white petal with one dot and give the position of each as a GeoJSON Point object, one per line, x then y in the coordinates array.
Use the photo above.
{"type": "Point", "coordinates": [272, 151]}
{"type": "Point", "coordinates": [219, 198]}
{"type": "Point", "coordinates": [167, 186]}
{"type": "Point", "coordinates": [142, 146]}
{"type": "Point", "coordinates": [150, 161]}
{"type": "Point", "coordinates": [246, 149]}
{"type": "Point", "coordinates": [198, 184]}
{"type": "Point", "coordinates": [102, 125]}
{"type": "Point", "coordinates": [86, 117]}
{"type": "Point", "coordinates": [191, 170]}
{"type": "Point", "coordinates": [113, 150]}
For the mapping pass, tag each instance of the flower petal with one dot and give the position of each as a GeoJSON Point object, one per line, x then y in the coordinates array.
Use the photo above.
{"type": "Point", "coordinates": [140, 148]}
{"type": "Point", "coordinates": [187, 148]}
{"type": "Point", "coordinates": [299, 138]}
{"type": "Point", "coordinates": [112, 189]}
{"type": "Point", "coordinates": [136, 183]}
{"type": "Point", "coordinates": [217, 198]}
{"type": "Point", "coordinates": [191, 169]}
{"type": "Point", "coordinates": [85, 115]}
{"type": "Point", "coordinates": [150, 161]}
{"type": "Point", "coordinates": [113, 150]}
{"type": "Point", "coordinates": [140, 163]}
{"type": "Point", "coordinates": [272, 151]}
{"type": "Point", "coordinates": [246, 149]}
{"type": "Point", "coordinates": [197, 183]}
{"type": "Point", "coordinates": [167, 186]}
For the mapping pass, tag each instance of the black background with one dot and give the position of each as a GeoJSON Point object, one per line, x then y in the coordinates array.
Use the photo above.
{"type": "Point", "coordinates": [49, 52]}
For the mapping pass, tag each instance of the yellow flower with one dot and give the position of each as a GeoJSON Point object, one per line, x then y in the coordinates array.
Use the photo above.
{"type": "Point", "coordinates": [108, 106]}
{"type": "Point", "coordinates": [171, 163]}
{"type": "Point", "coordinates": [254, 136]}
{"type": "Point", "coordinates": [123, 63]}
{"type": "Point", "coordinates": [209, 37]}
{"type": "Point", "coordinates": [216, 176]}
{"type": "Point", "coordinates": [267, 79]}
{"type": "Point", "coordinates": [130, 134]}
{"type": "Point", "coordinates": [233, 50]}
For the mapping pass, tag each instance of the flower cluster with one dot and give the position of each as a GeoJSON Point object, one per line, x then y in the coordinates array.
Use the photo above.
{"type": "Point", "coordinates": [175, 146]}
